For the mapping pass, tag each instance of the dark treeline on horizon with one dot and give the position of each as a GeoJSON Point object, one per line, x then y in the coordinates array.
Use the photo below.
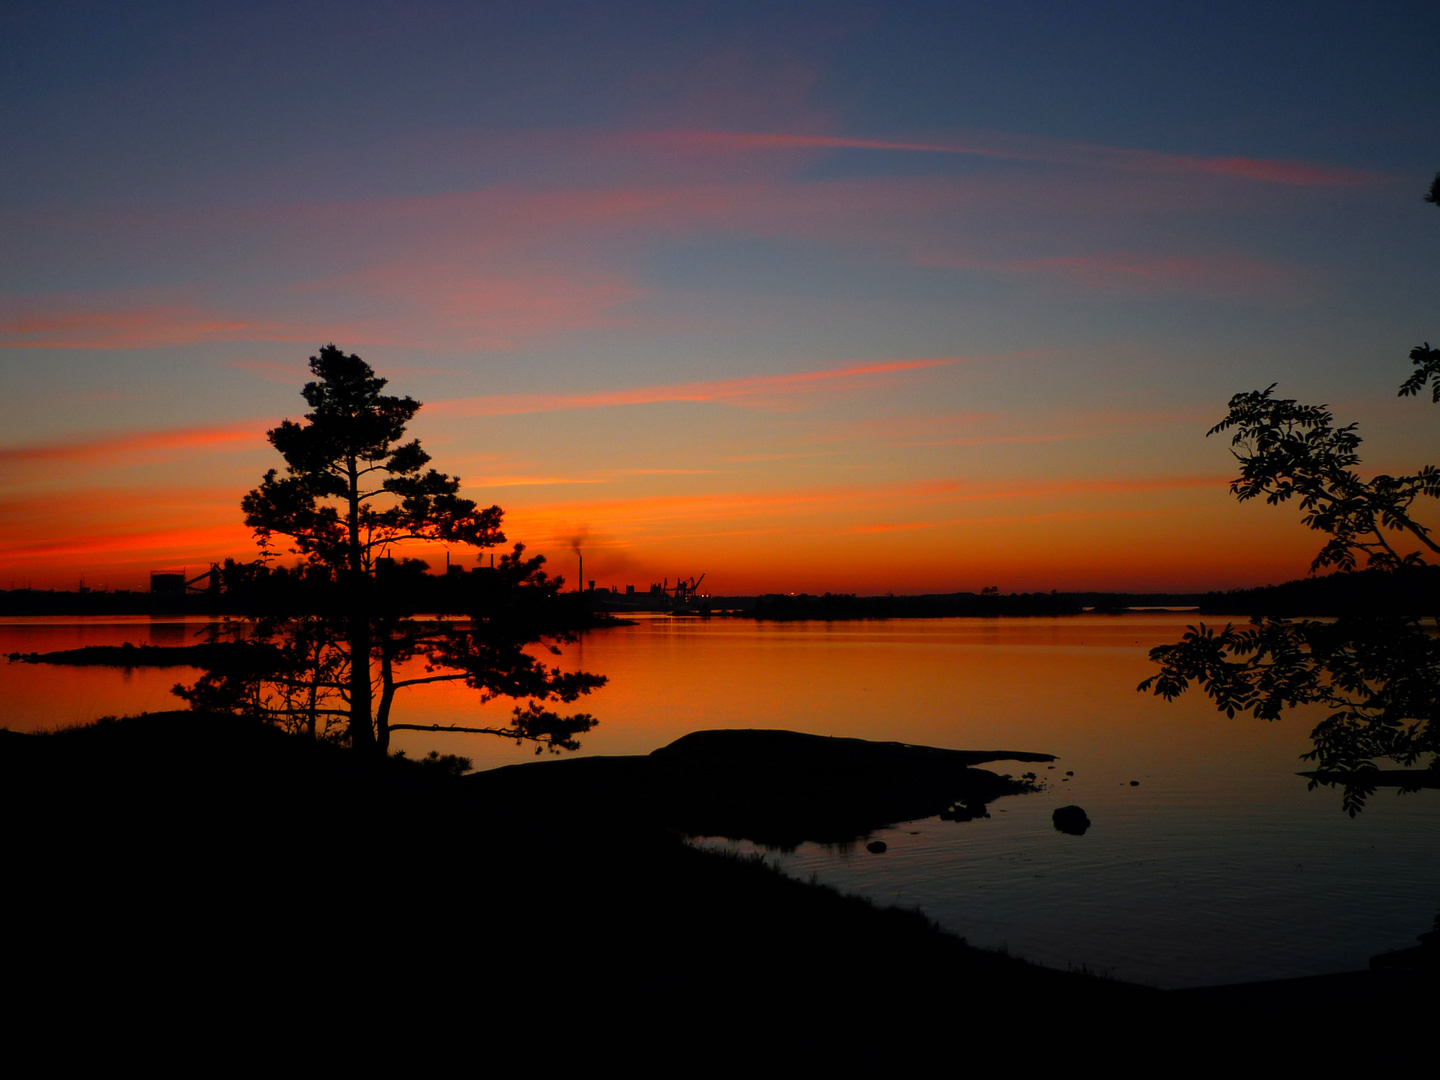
{"type": "Point", "coordinates": [1412, 590]}
{"type": "Point", "coordinates": [251, 589]}
{"type": "Point", "coordinates": [838, 606]}
{"type": "Point", "coordinates": [248, 589]}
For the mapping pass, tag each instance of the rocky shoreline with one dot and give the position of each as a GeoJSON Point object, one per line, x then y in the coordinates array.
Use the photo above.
{"type": "Point", "coordinates": [151, 840]}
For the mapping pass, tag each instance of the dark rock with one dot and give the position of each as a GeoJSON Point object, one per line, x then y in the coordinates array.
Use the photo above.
{"type": "Point", "coordinates": [777, 788]}
{"type": "Point", "coordinates": [877, 847]}
{"type": "Point", "coordinates": [1071, 819]}
{"type": "Point", "coordinates": [230, 657]}
{"type": "Point", "coordinates": [963, 812]}
{"type": "Point", "coordinates": [1134, 783]}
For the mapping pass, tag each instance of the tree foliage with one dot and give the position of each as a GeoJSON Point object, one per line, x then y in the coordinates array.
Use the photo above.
{"type": "Point", "coordinates": [1291, 451]}
{"type": "Point", "coordinates": [1377, 677]}
{"type": "Point", "coordinates": [351, 488]}
{"type": "Point", "coordinates": [352, 494]}
{"type": "Point", "coordinates": [1427, 367]}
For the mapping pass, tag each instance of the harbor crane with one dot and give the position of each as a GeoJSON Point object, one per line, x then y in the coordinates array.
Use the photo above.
{"type": "Point", "coordinates": [211, 578]}
{"type": "Point", "coordinates": [682, 593]}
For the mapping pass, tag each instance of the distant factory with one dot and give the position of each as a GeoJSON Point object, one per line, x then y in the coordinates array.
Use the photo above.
{"type": "Point", "coordinates": [175, 583]}
{"type": "Point", "coordinates": [683, 597]}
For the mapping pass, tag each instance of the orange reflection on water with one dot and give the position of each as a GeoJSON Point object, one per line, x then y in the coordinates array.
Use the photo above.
{"type": "Point", "coordinates": [42, 697]}
{"type": "Point", "coordinates": [1064, 686]}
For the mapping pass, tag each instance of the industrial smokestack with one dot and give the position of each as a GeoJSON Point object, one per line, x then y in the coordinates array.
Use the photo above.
{"type": "Point", "coordinates": [576, 539]}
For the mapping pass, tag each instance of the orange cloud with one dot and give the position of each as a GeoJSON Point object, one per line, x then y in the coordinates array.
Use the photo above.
{"type": "Point", "coordinates": [823, 508]}
{"type": "Point", "coordinates": [923, 535]}
{"type": "Point", "coordinates": [149, 544]}
{"type": "Point", "coordinates": [215, 439]}
{"type": "Point", "coordinates": [752, 390]}
{"type": "Point", "coordinates": [1025, 148]}
{"type": "Point", "coordinates": [117, 536]}
{"type": "Point", "coordinates": [533, 481]}
{"type": "Point", "coordinates": [906, 526]}
{"type": "Point", "coordinates": [143, 327]}
{"type": "Point", "coordinates": [937, 535]}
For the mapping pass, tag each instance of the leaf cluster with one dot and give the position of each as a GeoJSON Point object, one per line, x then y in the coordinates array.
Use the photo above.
{"type": "Point", "coordinates": [1378, 679]}
{"type": "Point", "coordinates": [1427, 367]}
{"type": "Point", "coordinates": [1291, 451]}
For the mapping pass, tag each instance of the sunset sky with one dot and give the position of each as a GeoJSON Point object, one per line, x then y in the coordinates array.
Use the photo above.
{"type": "Point", "coordinates": [858, 297]}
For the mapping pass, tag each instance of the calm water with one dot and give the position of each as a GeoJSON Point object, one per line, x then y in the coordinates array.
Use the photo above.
{"type": "Point", "coordinates": [1218, 867]}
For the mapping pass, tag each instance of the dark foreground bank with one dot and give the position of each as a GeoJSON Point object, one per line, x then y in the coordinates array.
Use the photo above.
{"type": "Point", "coordinates": [215, 860]}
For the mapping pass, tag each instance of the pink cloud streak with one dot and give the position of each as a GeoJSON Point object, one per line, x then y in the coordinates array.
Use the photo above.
{"type": "Point", "coordinates": [748, 390]}
{"type": "Point", "coordinates": [1217, 276]}
{"type": "Point", "coordinates": [144, 327]}
{"type": "Point", "coordinates": [1022, 148]}
{"type": "Point", "coordinates": [499, 266]}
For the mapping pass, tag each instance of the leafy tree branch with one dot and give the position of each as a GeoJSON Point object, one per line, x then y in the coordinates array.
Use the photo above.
{"type": "Point", "coordinates": [1376, 677]}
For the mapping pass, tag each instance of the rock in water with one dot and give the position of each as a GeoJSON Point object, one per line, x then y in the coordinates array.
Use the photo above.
{"type": "Point", "coordinates": [1071, 819]}
{"type": "Point", "coordinates": [877, 847]}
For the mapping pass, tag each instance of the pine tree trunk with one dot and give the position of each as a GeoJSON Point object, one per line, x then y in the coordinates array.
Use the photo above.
{"type": "Point", "coordinates": [314, 695]}
{"type": "Point", "coordinates": [387, 695]}
{"type": "Point", "coordinates": [362, 734]}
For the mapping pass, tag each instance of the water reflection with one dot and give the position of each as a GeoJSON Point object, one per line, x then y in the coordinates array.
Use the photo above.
{"type": "Point", "coordinates": [1062, 686]}
{"type": "Point", "coordinates": [165, 632]}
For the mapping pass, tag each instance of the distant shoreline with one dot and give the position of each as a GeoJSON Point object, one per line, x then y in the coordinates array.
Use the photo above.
{"type": "Point", "coordinates": [1413, 592]}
